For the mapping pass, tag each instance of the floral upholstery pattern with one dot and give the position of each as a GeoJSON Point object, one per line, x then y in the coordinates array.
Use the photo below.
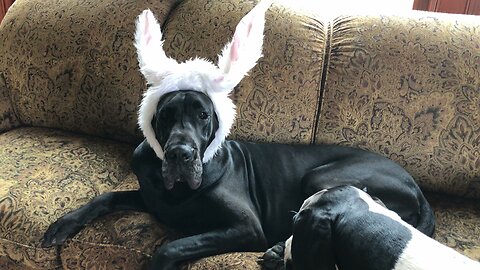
{"type": "Point", "coordinates": [406, 87]}
{"type": "Point", "coordinates": [67, 69]}
{"type": "Point", "coordinates": [457, 223]}
{"type": "Point", "coordinates": [45, 174]}
{"type": "Point", "coordinates": [8, 119]}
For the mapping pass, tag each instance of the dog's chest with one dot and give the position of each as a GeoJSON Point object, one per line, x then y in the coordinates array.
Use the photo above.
{"type": "Point", "coordinates": [193, 216]}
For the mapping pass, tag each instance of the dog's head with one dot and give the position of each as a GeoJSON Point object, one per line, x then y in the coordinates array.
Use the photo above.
{"type": "Point", "coordinates": [190, 99]}
{"type": "Point", "coordinates": [185, 123]}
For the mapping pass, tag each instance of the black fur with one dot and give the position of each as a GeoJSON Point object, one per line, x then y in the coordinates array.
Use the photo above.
{"type": "Point", "coordinates": [246, 194]}
{"type": "Point", "coordinates": [337, 228]}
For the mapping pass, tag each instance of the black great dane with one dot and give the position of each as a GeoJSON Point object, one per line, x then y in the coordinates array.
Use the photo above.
{"type": "Point", "coordinates": [227, 196]}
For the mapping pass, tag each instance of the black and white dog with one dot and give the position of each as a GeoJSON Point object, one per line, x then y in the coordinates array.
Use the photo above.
{"type": "Point", "coordinates": [346, 228]}
{"type": "Point", "coordinates": [227, 196]}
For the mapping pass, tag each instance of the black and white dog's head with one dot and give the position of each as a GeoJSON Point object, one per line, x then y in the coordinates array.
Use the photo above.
{"type": "Point", "coordinates": [344, 227]}
{"type": "Point", "coordinates": [329, 220]}
{"type": "Point", "coordinates": [186, 113]}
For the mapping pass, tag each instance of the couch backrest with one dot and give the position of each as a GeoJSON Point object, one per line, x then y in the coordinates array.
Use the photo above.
{"type": "Point", "coordinates": [72, 65]}
{"type": "Point", "coordinates": [408, 87]}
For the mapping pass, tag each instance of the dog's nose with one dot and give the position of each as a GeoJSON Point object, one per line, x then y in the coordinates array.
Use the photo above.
{"type": "Point", "coordinates": [180, 153]}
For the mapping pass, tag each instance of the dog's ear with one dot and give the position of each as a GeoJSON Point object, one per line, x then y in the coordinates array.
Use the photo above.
{"type": "Point", "coordinates": [153, 62]}
{"type": "Point", "coordinates": [312, 246]}
{"type": "Point", "coordinates": [243, 52]}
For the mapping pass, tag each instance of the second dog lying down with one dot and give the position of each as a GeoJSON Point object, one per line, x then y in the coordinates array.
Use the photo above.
{"type": "Point", "coordinates": [344, 227]}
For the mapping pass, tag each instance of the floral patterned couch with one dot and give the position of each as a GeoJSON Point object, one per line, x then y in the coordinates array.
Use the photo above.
{"type": "Point", "coordinates": [406, 86]}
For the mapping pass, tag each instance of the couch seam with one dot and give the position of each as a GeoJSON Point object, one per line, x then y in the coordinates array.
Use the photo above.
{"type": "Point", "coordinates": [35, 248]}
{"type": "Point", "coordinates": [80, 242]}
{"type": "Point", "coordinates": [323, 77]}
{"type": "Point", "coordinates": [20, 244]}
{"type": "Point", "coordinates": [109, 245]}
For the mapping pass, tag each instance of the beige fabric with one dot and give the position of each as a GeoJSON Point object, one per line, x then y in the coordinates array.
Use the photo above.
{"type": "Point", "coordinates": [457, 223]}
{"type": "Point", "coordinates": [8, 118]}
{"type": "Point", "coordinates": [72, 64]}
{"type": "Point", "coordinates": [45, 174]}
{"type": "Point", "coordinates": [408, 88]}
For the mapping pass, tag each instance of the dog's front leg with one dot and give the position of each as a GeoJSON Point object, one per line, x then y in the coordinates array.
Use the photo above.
{"type": "Point", "coordinates": [236, 239]}
{"type": "Point", "coordinates": [71, 223]}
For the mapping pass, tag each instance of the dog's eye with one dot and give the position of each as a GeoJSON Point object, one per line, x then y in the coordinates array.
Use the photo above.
{"type": "Point", "coordinates": [203, 115]}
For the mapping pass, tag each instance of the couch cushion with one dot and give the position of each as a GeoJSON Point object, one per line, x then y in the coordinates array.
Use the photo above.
{"type": "Point", "coordinates": [44, 174]}
{"type": "Point", "coordinates": [72, 64]}
{"type": "Point", "coordinates": [121, 240]}
{"type": "Point", "coordinates": [408, 87]}
{"type": "Point", "coordinates": [457, 223]}
{"type": "Point", "coordinates": [127, 240]}
{"type": "Point", "coordinates": [277, 101]}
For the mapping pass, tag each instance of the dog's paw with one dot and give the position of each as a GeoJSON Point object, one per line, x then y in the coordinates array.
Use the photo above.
{"type": "Point", "coordinates": [272, 259]}
{"type": "Point", "coordinates": [58, 232]}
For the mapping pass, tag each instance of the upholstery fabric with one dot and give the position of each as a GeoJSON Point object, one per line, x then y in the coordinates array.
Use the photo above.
{"type": "Point", "coordinates": [72, 64]}
{"type": "Point", "coordinates": [277, 101]}
{"type": "Point", "coordinates": [408, 88]}
{"type": "Point", "coordinates": [45, 174]}
{"type": "Point", "coordinates": [8, 118]}
{"type": "Point", "coordinates": [457, 223]}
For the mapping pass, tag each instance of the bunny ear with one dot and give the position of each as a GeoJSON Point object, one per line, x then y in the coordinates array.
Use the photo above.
{"type": "Point", "coordinates": [243, 52]}
{"type": "Point", "coordinates": [153, 62]}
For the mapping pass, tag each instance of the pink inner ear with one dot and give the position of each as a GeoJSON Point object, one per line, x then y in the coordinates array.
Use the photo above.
{"type": "Point", "coordinates": [241, 33]}
{"type": "Point", "coordinates": [146, 31]}
{"type": "Point", "coordinates": [234, 48]}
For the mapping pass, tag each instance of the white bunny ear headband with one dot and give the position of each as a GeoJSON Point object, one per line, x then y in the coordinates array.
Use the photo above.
{"type": "Point", "coordinates": [166, 75]}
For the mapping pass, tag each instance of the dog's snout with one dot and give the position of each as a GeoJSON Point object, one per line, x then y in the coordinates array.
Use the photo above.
{"type": "Point", "coordinates": [180, 153]}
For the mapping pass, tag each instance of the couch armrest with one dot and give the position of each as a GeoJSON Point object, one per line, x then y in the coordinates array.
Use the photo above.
{"type": "Point", "coordinates": [8, 117]}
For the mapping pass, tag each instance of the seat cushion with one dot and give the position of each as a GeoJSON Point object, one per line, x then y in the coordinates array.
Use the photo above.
{"type": "Point", "coordinates": [44, 174]}
{"type": "Point", "coordinates": [457, 223]}
{"type": "Point", "coordinates": [127, 240]}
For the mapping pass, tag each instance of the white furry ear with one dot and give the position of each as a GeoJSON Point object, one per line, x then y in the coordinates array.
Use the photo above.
{"type": "Point", "coordinates": [243, 52]}
{"type": "Point", "coordinates": [153, 62]}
